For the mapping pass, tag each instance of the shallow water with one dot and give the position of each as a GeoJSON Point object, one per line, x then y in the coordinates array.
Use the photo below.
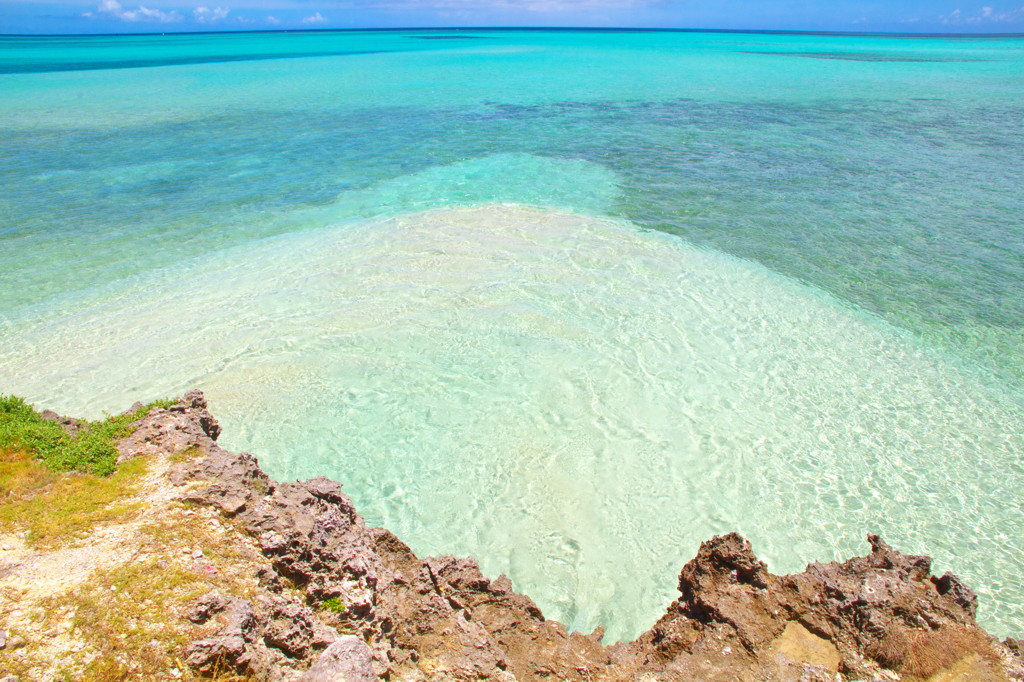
{"type": "Point", "coordinates": [425, 268]}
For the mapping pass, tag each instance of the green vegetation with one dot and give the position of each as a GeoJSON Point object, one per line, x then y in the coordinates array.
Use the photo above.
{"type": "Point", "coordinates": [333, 605]}
{"type": "Point", "coordinates": [121, 612]}
{"type": "Point", "coordinates": [129, 616]}
{"type": "Point", "coordinates": [56, 508]}
{"type": "Point", "coordinates": [90, 450]}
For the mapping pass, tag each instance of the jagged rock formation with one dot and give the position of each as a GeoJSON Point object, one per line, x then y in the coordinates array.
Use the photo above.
{"type": "Point", "coordinates": [394, 615]}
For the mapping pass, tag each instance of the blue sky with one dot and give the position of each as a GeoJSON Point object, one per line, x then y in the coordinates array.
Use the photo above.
{"type": "Point", "coordinates": [119, 16]}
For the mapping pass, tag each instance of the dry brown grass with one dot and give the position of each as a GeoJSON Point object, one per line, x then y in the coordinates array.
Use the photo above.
{"type": "Point", "coordinates": [918, 654]}
{"type": "Point", "coordinates": [891, 649]}
{"type": "Point", "coordinates": [934, 651]}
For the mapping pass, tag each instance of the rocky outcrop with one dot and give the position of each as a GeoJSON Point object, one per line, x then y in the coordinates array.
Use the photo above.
{"type": "Point", "coordinates": [348, 659]}
{"type": "Point", "coordinates": [263, 639]}
{"type": "Point", "coordinates": [369, 605]}
{"type": "Point", "coordinates": [861, 614]}
{"type": "Point", "coordinates": [187, 424]}
{"type": "Point", "coordinates": [69, 424]}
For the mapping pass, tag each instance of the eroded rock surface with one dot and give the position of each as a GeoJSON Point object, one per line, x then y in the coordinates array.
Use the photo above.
{"type": "Point", "coordinates": [173, 430]}
{"type": "Point", "coordinates": [369, 604]}
{"type": "Point", "coordinates": [348, 659]}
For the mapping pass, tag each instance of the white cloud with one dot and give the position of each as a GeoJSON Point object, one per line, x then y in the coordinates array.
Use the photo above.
{"type": "Point", "coordinates": [205, 15]}
{"type": "Point", "coordinates": [538, 6]}
{"type": "Point", "coordinates": [1012, 15]}
{"type": "Point", "coordinates": [188, 11]}
{"type": "Point", "coordinates": [987, 15]}
{"type": "Point", "coordinates": [112, 9]}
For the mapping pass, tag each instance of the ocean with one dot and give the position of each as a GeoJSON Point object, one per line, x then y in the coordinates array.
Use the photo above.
{"type": "Point", "coordinates": [567, 301]}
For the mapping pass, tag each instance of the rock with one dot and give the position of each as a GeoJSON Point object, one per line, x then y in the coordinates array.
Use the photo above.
{"type": "Point", "coordinates": [727, 584]}
{"type": "Point", "coordinates": [16, 642]}
{"type": "Point", "coordinates": [951, 585]}
{"type": "Point", "coordinates": [209, 605]}
{"type": "Point", "coordinates": [269, 579]}
{"type": "Point", "coordinates": [1014, 652]}
{"type": "Point", "coordinates": [71, 426]}
{"type": "Point", "coordinates": [215, 654]}
{"type": "Point", "coordinates": [294, 630]}
{"type": "Point", "coordinates": [1014, 645]}
{"type": "Point", "coordinates": [800, 646]}
{"type": "Point", "coordinates": [184, 425]}
{"type": "Point", "coordinates": [230, 648]}
{"type": "Point", "coordinates": [441, 618]}
{"type": "Point", "coordinates": [256, 634]}
{"type": "Point", "coordinates": [346, 660]}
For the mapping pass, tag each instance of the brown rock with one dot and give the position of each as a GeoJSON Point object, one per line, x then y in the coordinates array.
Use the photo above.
{"type": "Point", "coordinates": [441, 618]}
{"type": "Point", "coordinates": [184, 425]}
{"type": "Point", "coordinates": [799, 646]}
{"type": "Point", "coordinates": [294, 630]}
{"type": "Point", "coordinates": [71, 426]}
{"type": "Point", "coordinates": [348, 659]}
{"type": "Point", "coordinates": [232, 648]}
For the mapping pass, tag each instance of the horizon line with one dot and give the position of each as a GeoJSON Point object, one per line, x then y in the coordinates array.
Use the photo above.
{"type": "Point", "coordinates": [607, 29]}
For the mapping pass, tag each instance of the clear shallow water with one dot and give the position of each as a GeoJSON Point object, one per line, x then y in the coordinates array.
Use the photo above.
{"type": "Point", "coordinates": [573, 400]}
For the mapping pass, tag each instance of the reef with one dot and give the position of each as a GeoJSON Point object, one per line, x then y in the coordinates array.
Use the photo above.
{"type": "Point", "coordinates": [340, 600]}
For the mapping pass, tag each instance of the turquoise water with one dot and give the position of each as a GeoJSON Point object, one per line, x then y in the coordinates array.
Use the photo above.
{"type": "Point", "coordinates": [568, 301]}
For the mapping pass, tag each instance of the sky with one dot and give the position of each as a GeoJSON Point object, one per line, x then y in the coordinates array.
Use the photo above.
{"type": "Point", "coordinates": [157, 16]}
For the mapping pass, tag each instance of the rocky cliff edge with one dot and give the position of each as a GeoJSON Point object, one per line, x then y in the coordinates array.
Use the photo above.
{"type": "Point", "coordinates": [334, 599]}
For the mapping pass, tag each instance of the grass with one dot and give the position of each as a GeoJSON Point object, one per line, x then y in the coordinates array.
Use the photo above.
{"type": "Point", "coordinates": [133, 616]}
{"type": "Point", "coordinates": [130, 616]}
{"type": "Point", "coordinates": [891, 649]}
{"type": "Point", "coordinates": [192, 533]}
{"type": "Point", "coordinates": [58, 486]}
{"type": "Point", "coordinates": [91, 450]}
{"type": "Point", "coordinates": [933, 651]}
{"type": "Point", "coordinates": [56, 508]}
{"type": "Point", "coordinates": [127, 619]}
{"type": "Point", "coordinates": [186, 455]}
{"type": "Point", "coordinates": [919, 655]}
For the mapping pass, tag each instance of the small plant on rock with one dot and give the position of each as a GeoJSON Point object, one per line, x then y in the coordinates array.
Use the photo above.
{"type": "Point", "coordinates": [333, 605]}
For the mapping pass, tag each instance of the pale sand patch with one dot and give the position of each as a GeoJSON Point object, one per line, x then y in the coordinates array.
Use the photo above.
{"type": "Point", "coordinates": [158, 528]}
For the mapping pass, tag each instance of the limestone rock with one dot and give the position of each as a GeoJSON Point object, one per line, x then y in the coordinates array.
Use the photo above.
{"type": "Point", "coordinates": [348, 659]}
{"type": "Point", "coordinates": [187, 424]}
{"type": "Point", "coordinates": [70, 425]}
{"type": "Point", "coordinates": [440, 618]}
{"type": "Point", "coordinates": [232, 647]}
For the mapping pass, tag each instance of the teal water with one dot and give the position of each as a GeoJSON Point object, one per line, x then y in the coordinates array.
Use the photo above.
{"type": "Point", "coordinates": [568, 301]}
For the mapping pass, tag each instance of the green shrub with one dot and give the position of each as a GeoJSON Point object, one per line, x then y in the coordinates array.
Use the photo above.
{"type": "Point", "coordinates": [91, 450]}
{"type": "Point", "coordinates": [333, 605]}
